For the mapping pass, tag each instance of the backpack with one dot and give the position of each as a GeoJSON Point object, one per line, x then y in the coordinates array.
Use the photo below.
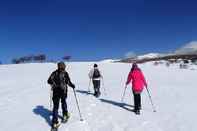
{"type": "Point", "coordinates": [96, 74]}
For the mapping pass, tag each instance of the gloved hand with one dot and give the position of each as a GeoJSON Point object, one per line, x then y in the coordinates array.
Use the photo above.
{"type": "Point", "coordinates": [126, 84]}
{"type": "Point", "coordinates": [52, 87]}
{"type": "Point", "coordinates": [73, 86]}
{"type": "Point", "coordinates": [146, 85]}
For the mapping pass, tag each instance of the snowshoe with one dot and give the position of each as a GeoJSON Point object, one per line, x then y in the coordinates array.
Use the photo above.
{"type": "Point", "coordinates": [137, 112]}
{"type": "Point", "coordinates": [65, 118]}
{"type": "Point", "coordinates": [97, 94]}
{"type": "Point", "coordinates": [55, 126]}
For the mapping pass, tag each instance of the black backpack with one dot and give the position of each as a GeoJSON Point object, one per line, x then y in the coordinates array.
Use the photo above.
{"type": "Point", "coordinates": [96, 73]}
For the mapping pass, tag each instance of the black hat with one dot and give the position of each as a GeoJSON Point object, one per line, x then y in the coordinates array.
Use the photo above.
{"type": "Point", "coordinates": [134, 65]}
{"type": "Point", "coordinates": [95, 65]}
{"type": "Point", "coordinates": [61, 64]}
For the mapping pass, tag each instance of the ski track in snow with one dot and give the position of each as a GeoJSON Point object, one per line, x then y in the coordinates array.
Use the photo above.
{"type": "Point", "coordinates": [24, 96]}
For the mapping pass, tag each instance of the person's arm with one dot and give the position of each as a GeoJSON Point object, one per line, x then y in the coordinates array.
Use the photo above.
{"type": "Point", "coordinates": [101, 74]}
{"type": "Point", "coordinates": [51, 79]}
{"type": "Point", "coordinates": [129, 78]}
{"type": "Point", "coordinates": [143, 79]}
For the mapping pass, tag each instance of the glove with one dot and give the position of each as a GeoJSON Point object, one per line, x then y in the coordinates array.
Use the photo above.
{"type": "Point", "coordinates": [73, 86]}
{"type": "Point", "coordinates": [126, 84]}
{"type": "Point", "coordinates": [146, 85]}
{"type": "Point", "coordinates": [52, 86]}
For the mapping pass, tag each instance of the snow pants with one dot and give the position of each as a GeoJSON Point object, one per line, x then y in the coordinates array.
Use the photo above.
{"type": "Point", "coordinates": [96, 84]}
{"type": "Point", "coordinates": [57, 96]}
{"type": "Point", "coordinates": [137, 101]}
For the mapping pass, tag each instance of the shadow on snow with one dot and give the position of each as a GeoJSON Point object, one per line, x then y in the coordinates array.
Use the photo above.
{"type": "Point", "coordinates": [121, 105]}
{"type": "Point", "coordinates": [84, 92]}
{"type": "Point", "coordinates": [44, 113]}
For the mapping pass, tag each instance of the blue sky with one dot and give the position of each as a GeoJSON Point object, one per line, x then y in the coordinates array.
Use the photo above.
{"type": "Point", "coordinates": [94, 29]}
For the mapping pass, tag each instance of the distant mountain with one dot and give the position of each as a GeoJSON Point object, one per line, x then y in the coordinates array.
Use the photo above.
{"type": "Point", "coordinates": [186, 52]}
{"type": "Point", "coordinates": [190, 48]}
{"type": "Point", "coordinates": [159, 57]}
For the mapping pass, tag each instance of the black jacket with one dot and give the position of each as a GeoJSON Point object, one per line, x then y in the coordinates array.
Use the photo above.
{"type": "Point", "coordinates": [59, 81]}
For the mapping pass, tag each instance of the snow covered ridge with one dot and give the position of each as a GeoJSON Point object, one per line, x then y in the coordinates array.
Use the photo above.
{"type": "Point", "coordinates": [160, 57]}
{"type": "Point", "coordinates": [186, 52]}
{"type": "Point", "coordinates": [149, 55]}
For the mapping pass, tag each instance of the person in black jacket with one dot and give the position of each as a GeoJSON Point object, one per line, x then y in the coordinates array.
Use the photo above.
{"type": "Point", "coordinates": [59, 80]}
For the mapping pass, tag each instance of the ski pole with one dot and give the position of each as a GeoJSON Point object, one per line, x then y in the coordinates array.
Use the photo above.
{"type": "Point", "coordinates": [51, 95]}
{"type": "Point", "coordinates": [81, 119]}
{"type": "Point", "coordinates": [104, 86]}
{"type": "Point", "coordinates": [89, 85]}
{"type": "Point", "coordinates": [154, 110]}
{"type": "Point", "coordinates": [123, 93]}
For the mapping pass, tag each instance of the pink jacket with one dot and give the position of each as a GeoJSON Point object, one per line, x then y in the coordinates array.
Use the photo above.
{"type": "Point", "coordinates": [138, 80]}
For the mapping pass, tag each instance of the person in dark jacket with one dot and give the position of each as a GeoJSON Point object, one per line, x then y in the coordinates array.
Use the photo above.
{"type": "Point", "coordinates": [59, 80]}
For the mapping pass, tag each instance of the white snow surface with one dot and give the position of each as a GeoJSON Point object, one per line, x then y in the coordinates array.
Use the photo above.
{"type": "Point", "coordinates": [24, 99]}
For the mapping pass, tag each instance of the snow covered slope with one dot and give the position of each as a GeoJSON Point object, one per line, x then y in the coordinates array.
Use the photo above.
{"type": "Point", "coordinates": [24, 99]}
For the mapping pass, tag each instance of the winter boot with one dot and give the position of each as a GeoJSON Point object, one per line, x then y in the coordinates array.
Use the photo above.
{"type": "Point", "coordinates": [55, 125]}
{"type": "Point", "coordinates": [137, 112]}
{"type": "Point", "coordinates": [66, 116]}
{"type": "Point", "coordinates": [98, 94]}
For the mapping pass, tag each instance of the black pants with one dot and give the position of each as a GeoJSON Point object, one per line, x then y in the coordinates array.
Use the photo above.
{"type": "Point", "coordinates": [96, 84]}
{"type": "Point", "coordinates": [137, 101]}
{"type": "Point", "coordinates": [57, 96]}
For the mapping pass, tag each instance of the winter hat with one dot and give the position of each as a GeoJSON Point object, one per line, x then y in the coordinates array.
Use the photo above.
{"type": "Point", "coordinates": [95, 65]}
{"type": "Point", "coordinates": [134, 65]}
{"type": "Point", "coordinates": [61, 65]}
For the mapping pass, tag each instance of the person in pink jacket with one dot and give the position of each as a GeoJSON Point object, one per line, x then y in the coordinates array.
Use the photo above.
{"type": "Point", "coordinates": [138, 83]}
